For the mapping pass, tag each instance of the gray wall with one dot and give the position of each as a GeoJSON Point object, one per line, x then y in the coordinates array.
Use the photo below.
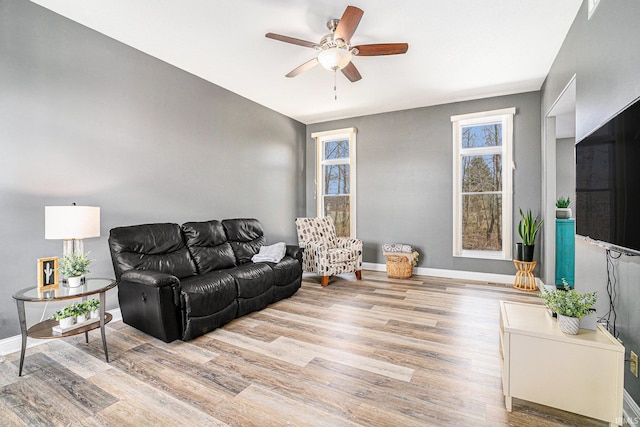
{"type": "Point", "coordinates": [404, 177]}
{"type": "Point", "coordinates": [565, 169]}
{"type": "Point", "coordinates": [603, 54]}
{"type": "Point", "coordinates": [86, 119]}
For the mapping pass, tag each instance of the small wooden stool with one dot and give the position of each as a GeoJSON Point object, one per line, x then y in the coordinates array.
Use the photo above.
{"type": "Point", "coordinates": [524, 277]}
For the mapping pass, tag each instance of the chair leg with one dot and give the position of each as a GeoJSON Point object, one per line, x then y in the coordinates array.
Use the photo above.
{"type": "Point", "coordinates": [359, 274]}
{"type": "Point", "coordinates": [325, 280]}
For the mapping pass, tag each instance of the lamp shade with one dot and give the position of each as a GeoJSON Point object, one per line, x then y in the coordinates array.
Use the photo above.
{"type": "Point", "coordinates": [71, 222]}
{"type": "Point", "coordinates": [334, 58]}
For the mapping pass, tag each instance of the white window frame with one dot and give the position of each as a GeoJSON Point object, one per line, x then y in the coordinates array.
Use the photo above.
{"type": "Point", "coordinates": [332, 135]}
{"type": "Point", "coordinates": [505, 117]}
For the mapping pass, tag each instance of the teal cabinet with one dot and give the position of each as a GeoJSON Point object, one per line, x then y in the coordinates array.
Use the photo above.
{"type": "Point", "coordinates": [565, 251]}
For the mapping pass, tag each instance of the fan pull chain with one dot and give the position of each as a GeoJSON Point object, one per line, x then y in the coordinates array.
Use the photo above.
{"type": "Point", "coordinates": [335, 84]}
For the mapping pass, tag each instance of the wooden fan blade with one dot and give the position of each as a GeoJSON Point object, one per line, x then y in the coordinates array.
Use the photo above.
{"type": "Point", "coordinates": [291, 40]}
{"type": "Point", "coordinates": [304, 67]}
{"type": "Point", "coordinates": [351, 72]}
{"type": "Point", "coordinates": [382, 49]}
{"type": "Point", "coordinates": [348, 23]}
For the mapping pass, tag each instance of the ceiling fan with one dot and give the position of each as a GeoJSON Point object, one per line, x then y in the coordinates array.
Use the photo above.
{"type": "Point", "coordinates": [335, 51]}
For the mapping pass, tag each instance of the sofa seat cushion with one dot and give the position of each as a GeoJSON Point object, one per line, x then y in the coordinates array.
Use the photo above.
{"type": "Point", "coordinates": [252, 279]}
{"type": "Point", "coordinates": [285, 271]}
{"type": "Point", "coordinates": [208, 293]}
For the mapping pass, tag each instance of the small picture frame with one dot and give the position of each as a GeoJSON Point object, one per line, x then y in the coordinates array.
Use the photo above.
{"type": "Point", "coordinates": [47, 273]}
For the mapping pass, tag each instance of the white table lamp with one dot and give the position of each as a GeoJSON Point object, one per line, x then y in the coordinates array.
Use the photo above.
{"type": "Point", "coordinates": [71, 224]}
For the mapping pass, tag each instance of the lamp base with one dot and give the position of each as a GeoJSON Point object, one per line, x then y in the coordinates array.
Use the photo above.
{"type": "Point", "coordinates": [70, 246]}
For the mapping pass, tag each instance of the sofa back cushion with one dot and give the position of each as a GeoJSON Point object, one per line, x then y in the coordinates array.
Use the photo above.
{"type": "Point", "coordinates": [245, 236]}
{"type": "Point", "coordinates": [158, 247]}
{"type": "Point", "coordinates": [208, 245]}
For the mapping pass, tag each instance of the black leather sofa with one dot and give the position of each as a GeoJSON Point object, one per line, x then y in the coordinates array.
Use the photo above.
{"type": "Point", "coordinates": [184, 281]}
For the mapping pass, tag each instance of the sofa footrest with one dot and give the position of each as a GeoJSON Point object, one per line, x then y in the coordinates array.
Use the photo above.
{"type": "Point", "coordinates": [196, 326]}
{"type": "Point", "coordinates": [282, 291]}
{"type": "Point", "coordinates": [248, 305]}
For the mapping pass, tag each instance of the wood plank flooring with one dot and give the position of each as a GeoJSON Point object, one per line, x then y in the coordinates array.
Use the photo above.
{"type": "Point", "coordinates": [375, 352]}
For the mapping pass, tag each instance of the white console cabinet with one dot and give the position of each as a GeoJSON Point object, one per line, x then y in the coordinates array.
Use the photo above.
{"type": "Point", "coordinates": [581, 373]}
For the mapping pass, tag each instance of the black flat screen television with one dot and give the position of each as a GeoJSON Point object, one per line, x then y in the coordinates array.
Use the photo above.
{"type": "Point", "coordinates": [608, 183]}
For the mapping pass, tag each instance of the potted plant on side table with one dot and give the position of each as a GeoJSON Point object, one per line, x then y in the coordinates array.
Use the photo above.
{"type": "Point", "coordinates": [563, 211]}
{"type": "Point", "coordinates": [570, 306]}
{"type": "Point", "coordinates": [82, 312]}
{"type": "Point", "coordinates": [527, 230]}
{"type": "Point", "coordinates": [73, 267]}
{"type": "Point", "coordinates": [94, 308]}
{"type": "Point", "coordinates": [66, 317]}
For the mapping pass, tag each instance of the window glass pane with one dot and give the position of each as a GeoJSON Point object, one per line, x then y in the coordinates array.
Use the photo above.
{"type": "Point", "coordinates": [336, 179]}
{"type": "Point", "coordinates": [482, 136]}
{"type": "Point", "coordinates": [482, 222]}
{"type": "Point", "coordinates": [482, 173]}
{"type": "Point", "coordinates": [336, 150]}
{"type": "Point", "coordinates": [338, 208]}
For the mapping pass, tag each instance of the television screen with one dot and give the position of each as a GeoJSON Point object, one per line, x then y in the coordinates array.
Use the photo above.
{"type": "Point", "coordinates": [608, 182]}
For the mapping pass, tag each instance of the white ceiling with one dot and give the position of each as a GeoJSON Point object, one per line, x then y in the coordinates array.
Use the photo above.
{"type": "Point", "coordinates": [458, 49]}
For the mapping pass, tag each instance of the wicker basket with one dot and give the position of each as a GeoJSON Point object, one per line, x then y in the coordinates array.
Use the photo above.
{"type": "Point", "coordinates": [398, 267]}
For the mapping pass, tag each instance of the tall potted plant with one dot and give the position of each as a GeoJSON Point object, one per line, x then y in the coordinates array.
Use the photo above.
{"type": "Point", "coordinates": [527, 230]}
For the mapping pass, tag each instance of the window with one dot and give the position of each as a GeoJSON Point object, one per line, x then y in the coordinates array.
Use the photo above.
{"type": "Point", "coordinates": [336, 178]}
{"type": "Point", "coordinates": [482, 183]}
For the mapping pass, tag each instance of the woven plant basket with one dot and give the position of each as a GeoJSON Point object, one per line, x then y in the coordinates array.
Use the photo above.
{"type": "Point", "coordinates": [398, 267]}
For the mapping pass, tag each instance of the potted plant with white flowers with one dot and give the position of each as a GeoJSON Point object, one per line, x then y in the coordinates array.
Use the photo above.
{"type": "Point", "coordinates": [74, 266]}
{"type": "Point", "coordinates": [570, 306]}
{"type": "Point", "coordinates": [66, 316]}
{"type": "Point", "coordinates": [81, 311]}
{"type": "Point", "coordinates": [93, 306]}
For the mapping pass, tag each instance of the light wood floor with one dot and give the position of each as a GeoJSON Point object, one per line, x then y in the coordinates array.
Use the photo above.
{"type": "Point", "coordinates": [378, 352]}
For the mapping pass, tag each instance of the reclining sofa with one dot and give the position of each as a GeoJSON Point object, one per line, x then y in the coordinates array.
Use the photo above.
{"type": "Point", "coordinates": [184, 281]}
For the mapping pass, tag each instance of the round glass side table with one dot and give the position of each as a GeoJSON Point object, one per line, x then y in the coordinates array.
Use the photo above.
{"type": "Point", "coordinates": [45, 329]}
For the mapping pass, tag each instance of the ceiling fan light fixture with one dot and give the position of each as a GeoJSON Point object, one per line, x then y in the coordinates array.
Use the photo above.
{"type": "Point", "coordinates": [334, 58]}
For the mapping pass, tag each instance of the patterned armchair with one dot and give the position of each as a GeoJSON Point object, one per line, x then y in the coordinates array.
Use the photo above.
{"type": "Point", "coordinates": [324, 252]}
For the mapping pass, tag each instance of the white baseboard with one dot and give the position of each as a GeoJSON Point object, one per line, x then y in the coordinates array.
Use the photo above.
{"type": "Point", "coordinates": [13, 344]}
{"type": "Point", "coordinates": [631, 410]}
{"type": "Point", "coordinates": [451, 274]}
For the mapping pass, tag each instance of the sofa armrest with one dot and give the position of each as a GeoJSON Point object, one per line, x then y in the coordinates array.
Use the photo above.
{"type": "Point", "coordinates": [294, 251]}
{"type": "Point", "coordinates": [150, 301]}
{"type": "Point", "coordinates": [153, 278]}
{"type": "Point", "coordinates": [150, 278]}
